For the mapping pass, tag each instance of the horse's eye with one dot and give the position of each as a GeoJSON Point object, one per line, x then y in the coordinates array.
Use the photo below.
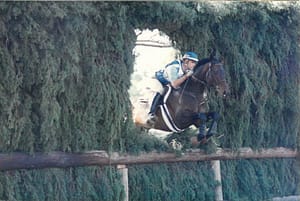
{"type": "Point", "coordinates": [215, 69]}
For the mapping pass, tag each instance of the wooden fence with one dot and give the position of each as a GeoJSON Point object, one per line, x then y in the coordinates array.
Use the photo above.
{"type": "Point", "coordinates": [15, 161]}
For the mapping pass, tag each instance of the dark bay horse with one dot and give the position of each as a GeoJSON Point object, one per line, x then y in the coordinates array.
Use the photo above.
{"type": "Point", "coordinates": [187, 105]}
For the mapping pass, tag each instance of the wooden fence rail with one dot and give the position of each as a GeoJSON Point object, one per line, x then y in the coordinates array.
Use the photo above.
{"type": "Point", "coordinates": [14, 161]}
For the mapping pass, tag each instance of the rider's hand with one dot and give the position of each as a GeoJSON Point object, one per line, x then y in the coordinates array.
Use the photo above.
{"type": "Point", "coordinates": [189, 73]}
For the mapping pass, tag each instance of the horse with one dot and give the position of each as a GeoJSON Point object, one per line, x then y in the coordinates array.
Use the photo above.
{"type": "Point", "coordinates": [187, 105]}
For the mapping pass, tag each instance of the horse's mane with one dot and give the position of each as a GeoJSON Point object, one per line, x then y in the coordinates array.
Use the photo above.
{"type": "Point", "coordinates": [202, 62]}
{"type": "Point", "coordinates": [211, 58]}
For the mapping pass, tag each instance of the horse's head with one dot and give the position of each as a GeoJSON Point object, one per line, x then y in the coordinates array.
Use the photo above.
{"type": "Point", "coordinates": [211, 73]}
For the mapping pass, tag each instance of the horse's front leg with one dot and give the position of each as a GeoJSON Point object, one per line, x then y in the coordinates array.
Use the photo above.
{"type": "Point", "coordinates": [202, 127]}
{"type": "Point", "coordinates": [214, 125]}
{"type": "Point", "coordinates": [204, 117]}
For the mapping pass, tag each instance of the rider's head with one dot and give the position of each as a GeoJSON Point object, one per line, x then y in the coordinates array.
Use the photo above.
{"type": "Point", "coordinates": [190, 56]}
{"type": "Point", "coordinates": [189, 60]}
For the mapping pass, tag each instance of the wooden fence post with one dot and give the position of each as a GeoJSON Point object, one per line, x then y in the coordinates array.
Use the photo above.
{"type": "Point", "coordinates": [217, 175]}
{"type": "Point", "coordinates": [123, 170]}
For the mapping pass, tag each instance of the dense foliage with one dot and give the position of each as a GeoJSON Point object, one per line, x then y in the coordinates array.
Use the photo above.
{"type": "Point", "coordinates": [188, 181]}
{"type": "Point", "coordinates": [59, 63]}
{"type": "Point", "coordinates": [55, 184]}
{"type": "Point", "coordinates": [65, 74]}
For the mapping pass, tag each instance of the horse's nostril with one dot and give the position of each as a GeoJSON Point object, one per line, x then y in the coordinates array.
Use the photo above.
{"type": "Point", "coordinates": [227, 94]}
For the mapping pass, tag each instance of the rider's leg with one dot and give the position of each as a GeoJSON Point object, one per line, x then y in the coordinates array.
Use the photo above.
{"type": "Point", "coordinates": [155, 103]}
{"type": "Point", "coordinates": [202, 127]}
{"type": "Point", "coordinates": [157, 100]}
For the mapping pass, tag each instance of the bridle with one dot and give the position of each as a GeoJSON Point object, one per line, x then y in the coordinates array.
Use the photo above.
{"type": "Point", "coordinates": [195, 79]}
{"type": "Point", "coordinates": [204, 82]}
{"type": "Point", "coordinates": [207, 74]}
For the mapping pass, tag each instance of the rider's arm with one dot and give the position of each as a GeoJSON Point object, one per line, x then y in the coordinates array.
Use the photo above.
{"type": "Point", "coordinates": [176, 83]}
{"type": "Point", "coordinates": [174, 76]}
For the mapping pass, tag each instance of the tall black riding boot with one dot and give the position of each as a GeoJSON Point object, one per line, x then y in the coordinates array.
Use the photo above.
{"type": "Point", "coordinates": [155, 103]}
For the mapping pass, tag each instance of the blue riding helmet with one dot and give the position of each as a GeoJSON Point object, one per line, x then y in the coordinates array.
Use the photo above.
{"type": "Point", "coordinates": [191, 56]}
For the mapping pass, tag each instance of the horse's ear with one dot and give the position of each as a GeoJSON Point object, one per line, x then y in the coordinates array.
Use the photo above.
{"type": "Point", "coordinates": [221, 58]}
{"type": "Point", "coordinates": [212, 54]}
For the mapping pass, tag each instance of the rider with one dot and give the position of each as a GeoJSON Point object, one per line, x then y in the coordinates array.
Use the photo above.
{"type": "Point", "coordinates": [175, 73]}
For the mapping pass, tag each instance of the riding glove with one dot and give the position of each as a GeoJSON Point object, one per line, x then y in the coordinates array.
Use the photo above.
{"type": "Point", "coordinates": [189, 73]}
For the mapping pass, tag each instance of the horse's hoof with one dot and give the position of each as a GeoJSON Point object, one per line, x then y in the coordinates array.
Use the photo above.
{"type": "Point", "coordinates": [194, 141]}
{"type": "Point", "coordinates": [203, 141]}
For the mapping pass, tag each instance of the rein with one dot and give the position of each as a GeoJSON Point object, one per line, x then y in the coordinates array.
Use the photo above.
{"type": "Point", "coordinates": [180, 98]}
{"type": "Point", "coordinates": [197, 80]}
{"type": "Point", "coordinates": [202, 81]}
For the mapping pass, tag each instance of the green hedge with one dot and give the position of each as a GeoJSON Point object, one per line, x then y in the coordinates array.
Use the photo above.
{"type": "Point", "coordinates": [65, 72]}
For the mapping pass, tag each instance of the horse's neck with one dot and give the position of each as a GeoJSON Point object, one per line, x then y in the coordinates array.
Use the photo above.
{"type": "Point", "coordinates": [194, 88]}
{"type": "Point", "coordinates": [203, 71]}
